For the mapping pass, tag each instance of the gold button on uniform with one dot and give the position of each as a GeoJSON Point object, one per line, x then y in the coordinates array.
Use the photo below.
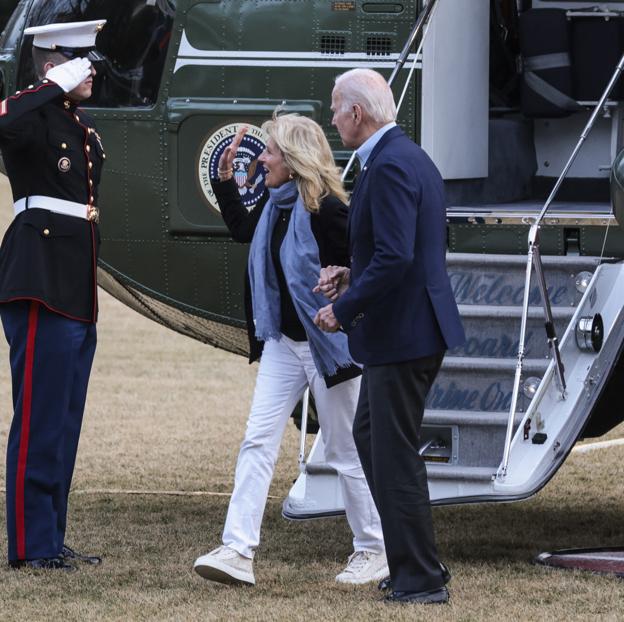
{"type": "Point", "coordinates": [88, 149]}
{"type": "Point", "coordinates": [46, 232]}
{"type": "Point", "coordinates": [76, 117]}
{"type": "Point", "coordinates": [90, 182]}
{"type": "Point", "coordinates": [67, 105]}
{"type": "Point", "coordinates": [90, 164]}
{"type": "Point", "coordinates": [63, 145]}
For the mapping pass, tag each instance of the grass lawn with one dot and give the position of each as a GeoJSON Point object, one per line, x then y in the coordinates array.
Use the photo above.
{"type": "Point", "coordinates": [167, 414]}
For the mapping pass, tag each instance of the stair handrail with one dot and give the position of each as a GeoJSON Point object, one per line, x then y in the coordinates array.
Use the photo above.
{"type": "Point", "coordinates": [534, 260]}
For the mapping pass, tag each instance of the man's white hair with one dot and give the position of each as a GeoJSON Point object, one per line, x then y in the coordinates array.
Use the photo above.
{"type": "Point", "coordinates": [370, 90]}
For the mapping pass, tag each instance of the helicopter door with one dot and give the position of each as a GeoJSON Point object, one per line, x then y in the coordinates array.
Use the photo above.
{"type": "Point", "coordinates": [199, 130]}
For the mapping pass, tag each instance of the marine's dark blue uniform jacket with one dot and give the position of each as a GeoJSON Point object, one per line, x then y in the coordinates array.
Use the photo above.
{"type": "Point", "coordinates": [399, 305]}
{"type": "Point", "coordinates": [50, 148]}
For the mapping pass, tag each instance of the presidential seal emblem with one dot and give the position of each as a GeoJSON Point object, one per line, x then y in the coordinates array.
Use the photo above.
{"type": "Point", "coordinates": [248, 172]}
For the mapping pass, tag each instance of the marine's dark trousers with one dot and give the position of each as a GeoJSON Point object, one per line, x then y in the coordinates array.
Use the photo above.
{"type": "Point", "coordinates": [387, 435]}
{"type": "Point", "coordinates": [51, 359]}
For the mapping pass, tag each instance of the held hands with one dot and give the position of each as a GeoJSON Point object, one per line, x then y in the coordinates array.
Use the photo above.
{"type": "Point", "coordinates": [70, 74]}
{"type": "Point", "coordinates": [226, 161]}
{"type": "Point", "coordinates": [326, 320]}
{"type": "Point", "coordinates": [333, 282]}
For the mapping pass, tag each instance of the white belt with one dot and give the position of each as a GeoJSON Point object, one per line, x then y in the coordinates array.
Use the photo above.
{"type": "Point", "coordinates": [60, 206]}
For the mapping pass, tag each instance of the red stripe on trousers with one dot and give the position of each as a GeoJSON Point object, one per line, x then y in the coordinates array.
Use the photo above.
{"type": "Point", "coordinates": [33, 316]}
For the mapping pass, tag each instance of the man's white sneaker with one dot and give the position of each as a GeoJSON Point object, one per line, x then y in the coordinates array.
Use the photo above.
{"type": "Point", "coordinates": [364, 567]}
{"type": "Point", "coordinates": [225, 565]}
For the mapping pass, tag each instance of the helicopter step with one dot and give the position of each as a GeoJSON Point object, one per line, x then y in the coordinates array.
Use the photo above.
{"type": "Point", "coordinates": [503, 322]}
{"type": "Point", "coordinates": [460, 474]}
{"type": "Point", "coordinates": [467, 383]}
{"type": "Point", "coordinates": [434, 471]}
{"type": "Point", "coordinates": [465, 422]}
{"type": "Point", "coordinates": [498, 280]}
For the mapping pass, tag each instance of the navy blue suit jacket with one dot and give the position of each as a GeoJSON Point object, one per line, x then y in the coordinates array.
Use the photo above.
{"type": "Point", "coordinates": [399, 305]}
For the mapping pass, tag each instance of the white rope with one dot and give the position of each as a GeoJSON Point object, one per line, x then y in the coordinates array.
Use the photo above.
{"type": "Point", "coordinates": [583, 449]}
{"type": "Point", "coordinates": [417, 57]}
{"type": "Point", "coordinates": [163, 493]}
{"type": "Point", "coordinates": [604, 241]}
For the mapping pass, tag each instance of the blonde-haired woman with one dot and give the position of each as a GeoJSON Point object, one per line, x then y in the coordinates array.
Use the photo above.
{"type": "Point", "coordinates": [297, 226]}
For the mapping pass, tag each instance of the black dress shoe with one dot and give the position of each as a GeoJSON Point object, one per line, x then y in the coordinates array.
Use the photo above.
{"type": "Point", "coordinates": [386, 584]}
{"type": "Point", "coordinates": [432, 597]}
{"type": "Point", "coordinates": [43, 563]}
{"type": "Point", "coordinates": [70, 554]}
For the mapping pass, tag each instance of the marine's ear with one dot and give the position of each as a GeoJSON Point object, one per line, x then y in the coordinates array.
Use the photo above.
{"type": "Point", "coordinates": [48, 65]}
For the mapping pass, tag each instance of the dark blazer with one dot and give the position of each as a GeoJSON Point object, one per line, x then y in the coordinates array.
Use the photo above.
{"type": "Point", "coordinates": [329, 227]}
{"type": "Point", "coordinates": [400, 304]}
{"type": "Point", "coordinates": [50, 148]}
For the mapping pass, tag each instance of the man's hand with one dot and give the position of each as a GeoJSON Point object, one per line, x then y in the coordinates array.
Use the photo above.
{"type": "Point", "coordinates": [326, 320]}
{"type": "Point", "coordinates": [70, 74]}
{"type": "Point", "coordinates": [333, 282]}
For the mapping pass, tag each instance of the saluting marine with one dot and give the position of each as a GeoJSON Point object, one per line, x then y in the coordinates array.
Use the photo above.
{"type": "Point", "coordinates": [48, 291]}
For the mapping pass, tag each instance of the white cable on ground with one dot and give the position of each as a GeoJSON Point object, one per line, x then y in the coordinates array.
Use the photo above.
{"type": "Point", "coordinates": [582, 449]}
{"type": "Point", "coordinates": [173, 493]}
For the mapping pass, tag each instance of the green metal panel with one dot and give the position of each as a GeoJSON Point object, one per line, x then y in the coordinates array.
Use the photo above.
{"type": "Point", "coordinates": [595, 239]}
{"type": "Point", "coordinates": [192, 122]}
{"type": "Point", "coordinates": [284, 28]}
{"type": "Point", "coordinates": [503, 239]}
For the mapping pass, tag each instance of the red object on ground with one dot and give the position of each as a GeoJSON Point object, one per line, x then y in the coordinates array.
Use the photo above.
{"type": "Point", "coordinates": [609, 560]}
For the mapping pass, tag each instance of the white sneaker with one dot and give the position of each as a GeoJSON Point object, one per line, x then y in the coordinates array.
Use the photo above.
{"type": "Point", "coordinates": [225, 565]}
{"type": "Point", "coordinates": [364, 567]}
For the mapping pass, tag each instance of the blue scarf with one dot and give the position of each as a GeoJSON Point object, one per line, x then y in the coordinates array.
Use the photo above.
{"type": "Point", "coordinates": [299, 256]}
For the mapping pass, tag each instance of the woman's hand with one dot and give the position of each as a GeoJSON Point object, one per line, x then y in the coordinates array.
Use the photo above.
{"type": "Point", "coordinates": [333, 282]}
{"type": "Point", "coordinates": [226, 161]}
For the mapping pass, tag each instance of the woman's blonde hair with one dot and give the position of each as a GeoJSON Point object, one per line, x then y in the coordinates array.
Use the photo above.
{"type": "Point", "coordinates": [308, 155]}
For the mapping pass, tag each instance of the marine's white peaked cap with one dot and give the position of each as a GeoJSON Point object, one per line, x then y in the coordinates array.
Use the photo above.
{"type": "Point", "coordinates": [68, 35]}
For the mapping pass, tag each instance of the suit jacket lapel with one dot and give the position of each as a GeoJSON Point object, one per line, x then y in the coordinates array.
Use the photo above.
{"type": "Point", "coordinates": [391, 134]}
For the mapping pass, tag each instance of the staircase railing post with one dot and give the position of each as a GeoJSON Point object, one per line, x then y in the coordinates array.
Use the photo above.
{"type": "Point", "coordinates": [533, 237]}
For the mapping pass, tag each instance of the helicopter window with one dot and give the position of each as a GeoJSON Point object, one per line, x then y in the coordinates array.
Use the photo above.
{"type": "Point", "coordinates": [134, 43]}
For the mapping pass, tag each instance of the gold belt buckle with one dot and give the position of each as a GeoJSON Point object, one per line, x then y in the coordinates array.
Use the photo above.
{"type": "Point", "coordinates": [93, 214]}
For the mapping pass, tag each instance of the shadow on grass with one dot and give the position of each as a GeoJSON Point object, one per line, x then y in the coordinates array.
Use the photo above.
{"type": "Point", "coordinates": [183, 527]}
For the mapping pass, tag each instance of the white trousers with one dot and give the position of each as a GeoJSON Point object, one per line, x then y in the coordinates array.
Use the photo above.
{"type": "Point", "coordinates": [286, 368]}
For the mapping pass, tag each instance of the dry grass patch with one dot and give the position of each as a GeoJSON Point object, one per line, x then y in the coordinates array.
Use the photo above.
{"type": "Point", "coordinates": [167, 413]}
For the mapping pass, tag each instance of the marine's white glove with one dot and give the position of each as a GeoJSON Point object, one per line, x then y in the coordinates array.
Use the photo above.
{"type": "Point", "coordinates": [70, 74]}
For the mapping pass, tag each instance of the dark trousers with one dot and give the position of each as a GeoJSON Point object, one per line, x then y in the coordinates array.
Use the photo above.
{"type": "Point", "coordinates": [51, 359]}
{"type": "Point", "coordinates": [387, 436]}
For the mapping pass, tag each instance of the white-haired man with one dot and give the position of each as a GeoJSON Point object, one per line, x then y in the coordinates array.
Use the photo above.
{"type": "Point", "coordinates": [398, 309]}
